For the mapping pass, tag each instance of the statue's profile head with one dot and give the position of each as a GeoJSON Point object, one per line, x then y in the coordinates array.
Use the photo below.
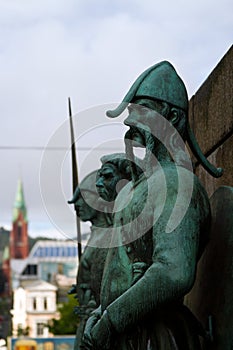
{"type": "Point", "coordinates": [160, 83]}
{"type": "Point", "coordinates": [113, 175]}
{"type": "Point", "coordinates": [85, 198]}
{"type": "Point", "coordinates": [159, 89]}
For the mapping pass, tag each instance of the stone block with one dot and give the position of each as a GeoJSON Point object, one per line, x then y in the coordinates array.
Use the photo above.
{"type": "Point", "coordinates": [211, 108]}
{"type": "Point", "coordinates": [212, 292]}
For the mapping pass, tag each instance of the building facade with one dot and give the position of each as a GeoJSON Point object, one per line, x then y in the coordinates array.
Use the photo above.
{"type": "Point", "coordinates": [33, 306]}
{"type": "Point", "coordinates": [40, 279]}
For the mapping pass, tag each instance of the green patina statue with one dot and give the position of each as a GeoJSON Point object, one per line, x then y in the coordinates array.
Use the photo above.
{"type": "Point", "coordinates": [91, 265]}
{"type": "Point", "coordinates": [161, 226]}
{"type": "Point", "coordinates": [90, 207]}
{"type": "Point", "coordinates": [113, 175]}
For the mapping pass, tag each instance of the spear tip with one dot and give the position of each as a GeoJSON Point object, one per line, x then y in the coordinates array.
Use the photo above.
{"type": "Point", "coordinates": [69, 105]}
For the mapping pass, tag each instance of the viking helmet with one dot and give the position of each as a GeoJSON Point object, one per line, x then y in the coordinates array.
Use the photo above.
{"type": "Point", "coordinates": [161, 82]}
{"type": "Point", "coordinates": [87, 184]}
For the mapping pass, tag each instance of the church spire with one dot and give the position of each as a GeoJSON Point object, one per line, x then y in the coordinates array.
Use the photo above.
{"type": "Point", "coordinates": [19, 204]}
{"type": "Point", "coordinates": [19, 245]}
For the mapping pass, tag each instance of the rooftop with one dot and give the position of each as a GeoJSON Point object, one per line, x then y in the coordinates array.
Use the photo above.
{"type": "Point", "coordinates": [54, 249]}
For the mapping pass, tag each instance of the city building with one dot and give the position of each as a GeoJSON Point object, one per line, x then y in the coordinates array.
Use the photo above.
{"type": "Point", "coordinates": [38, 279]}
{"type": "Point", "coordinates": [52, 261]}
{"type": "Point", "coordinates": [33, 306]}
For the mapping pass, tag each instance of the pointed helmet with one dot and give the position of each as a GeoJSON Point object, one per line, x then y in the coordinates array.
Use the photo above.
{"type": "Point", "coordinates": [87, 184]}
{"type": "Point", "coordinates": [160, 82]}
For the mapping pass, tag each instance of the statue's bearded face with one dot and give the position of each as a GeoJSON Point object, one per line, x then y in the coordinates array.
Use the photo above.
{"type": "Point", "coordinates": [108, 182]}
{"type": "Point", "coordinates": [141, 121]}
{"type": "Point", "coordinates": [149, 119]}
{"type": "Point", "coordinates": [85, 205]}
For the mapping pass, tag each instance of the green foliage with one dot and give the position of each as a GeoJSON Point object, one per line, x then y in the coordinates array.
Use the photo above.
{"type": "Point", "coordinates": [67, 324]}
{"type": "Point", "coordinates": [23, 331]}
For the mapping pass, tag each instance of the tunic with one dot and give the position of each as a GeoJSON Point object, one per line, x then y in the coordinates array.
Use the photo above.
{"type": "Point", "coordinates": [89, 278]}
{"type": "Point", "coordinates": [159, 237]}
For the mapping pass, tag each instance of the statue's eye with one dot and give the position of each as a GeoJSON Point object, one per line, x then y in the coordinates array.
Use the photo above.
{"type": "Point", "coordinates": [144, 111]}
{"type": "Point", "coordinates": [108, 176]}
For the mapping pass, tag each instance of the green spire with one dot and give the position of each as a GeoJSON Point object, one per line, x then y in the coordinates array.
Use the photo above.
{"type": "Point", "coordinates": [19, 204]}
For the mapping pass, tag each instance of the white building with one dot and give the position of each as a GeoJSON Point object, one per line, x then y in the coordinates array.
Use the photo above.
{"type": "Point", "coordinates": [40, 282]}
{"type": "Point", "coordinates": [34, 304]}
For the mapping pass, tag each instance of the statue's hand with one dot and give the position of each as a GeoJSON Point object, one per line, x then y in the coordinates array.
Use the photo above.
{"type": "Point", "coordinates": [101, 334]}
{"type": "Point", "coordinates": [91, 307]}
{"type": "Point", "coordinates": [92, 320]}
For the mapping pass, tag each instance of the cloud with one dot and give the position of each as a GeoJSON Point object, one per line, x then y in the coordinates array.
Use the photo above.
{"type": "Point", "coordinates": [52, 49]}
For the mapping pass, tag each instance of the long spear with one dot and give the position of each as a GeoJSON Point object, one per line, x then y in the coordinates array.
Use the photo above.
{"type": "Point", "coordinates": [75, 177]}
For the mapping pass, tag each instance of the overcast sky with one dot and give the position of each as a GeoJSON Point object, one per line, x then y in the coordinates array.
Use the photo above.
{"type": "Point", "coordinates": [91, 51]}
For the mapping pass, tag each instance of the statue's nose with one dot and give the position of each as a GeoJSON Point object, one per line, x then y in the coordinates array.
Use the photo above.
{"type": "Point", "coordinates": [99, 183]}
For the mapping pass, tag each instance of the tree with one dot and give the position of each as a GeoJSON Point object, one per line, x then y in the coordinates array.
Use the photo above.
{"type": "Point", "coordinates": [67, 324]}
{"type": "Point", "coordinates": [23, 331]}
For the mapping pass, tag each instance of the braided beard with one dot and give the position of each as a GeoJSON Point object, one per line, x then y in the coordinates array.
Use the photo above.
{"type": "Point", "coordinates": [149, 160]}
{"type": "Point", "coordinates": [130, 155]}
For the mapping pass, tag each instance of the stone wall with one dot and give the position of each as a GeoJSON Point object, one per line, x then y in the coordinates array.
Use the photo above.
{"type": "Point", "coordinates": [211, 118]}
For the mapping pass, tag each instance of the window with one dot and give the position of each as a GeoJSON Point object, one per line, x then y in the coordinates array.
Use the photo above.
{"type": "Point", "coordinates": [39, 328]}
{"type": "Point", "coordinates": [70, 251]}
{"type": "Point", "coordinates": [57, 251]}
{"type": "Point", "coordinates": [19, 232]}
{"type": "Point", "coordinates": [34, 303]}
{"type": "Point", "coordinates": [30, 270]}
{"type": "Point", "coordinates": [62, 251]}
{"type": "Point", "coordinates": [47, 252]}
{"type": "Point", "coordinates": [45, 304]}
{"type": "Point", "coordinates": [49, 277]}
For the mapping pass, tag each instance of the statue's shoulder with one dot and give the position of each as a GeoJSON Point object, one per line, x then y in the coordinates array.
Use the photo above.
{"type": "Point", "coordinates": [174, 174]}
{"type": "Point", "coordinates": [171, 171]}
{"type": "Point", "coordinates": [177, 180]}
{"type": "Point", "coordinates": [170, 184]}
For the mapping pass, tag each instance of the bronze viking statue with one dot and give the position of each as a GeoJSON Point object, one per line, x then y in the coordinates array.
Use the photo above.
{"type": "Point", "coordinates": [91, 265]}
{"type": "Point", "coordinates": [103, 183]}
{"type": "Point", "coordinates": [161, 226]}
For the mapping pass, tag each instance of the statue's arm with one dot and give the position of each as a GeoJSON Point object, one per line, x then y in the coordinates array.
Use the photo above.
{"type": "Point", "coordinates": [170, 276]}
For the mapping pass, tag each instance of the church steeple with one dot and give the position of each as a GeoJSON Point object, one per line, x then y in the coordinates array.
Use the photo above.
{"type": "Point", "coordinates": [19, 204]}
{"type": "Point", "coordinates": [19, 233]}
